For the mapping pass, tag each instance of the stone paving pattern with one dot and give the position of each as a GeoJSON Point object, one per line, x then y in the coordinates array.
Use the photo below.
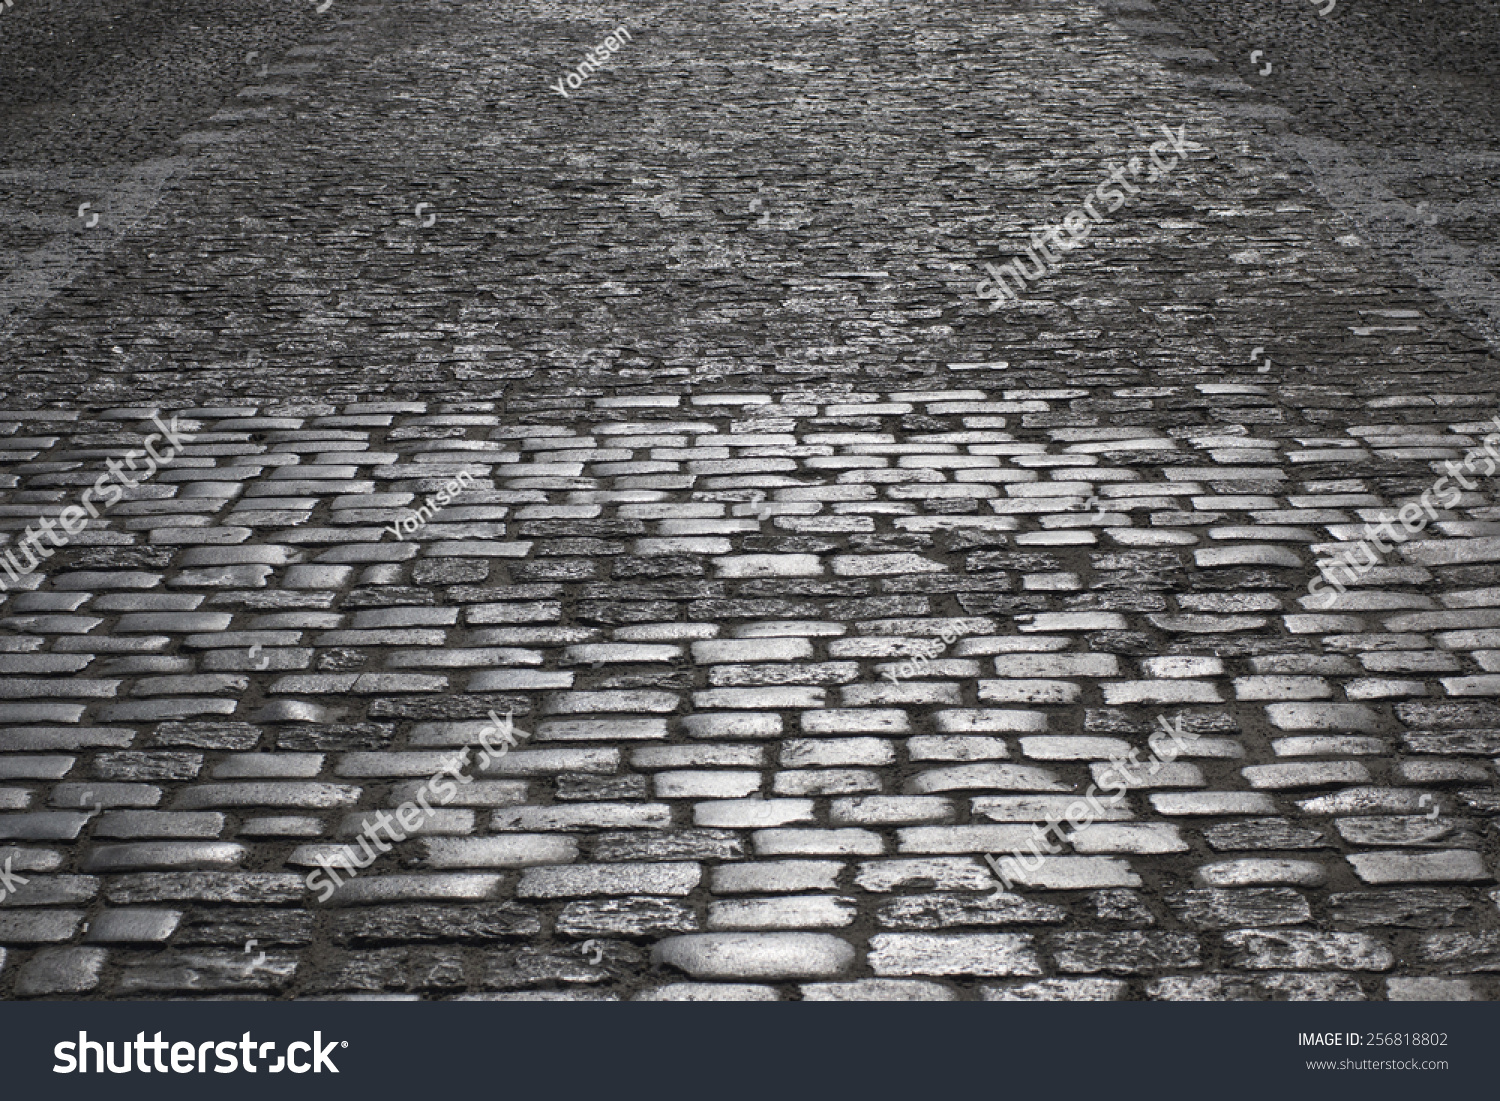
{"type": "Point", "coordinates": [744, 442]}
{"type": "Point", "coordinates": [690, 604]}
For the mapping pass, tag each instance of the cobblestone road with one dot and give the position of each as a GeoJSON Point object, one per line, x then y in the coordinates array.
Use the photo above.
{"type": "Point", "coordinates": [808, 581]}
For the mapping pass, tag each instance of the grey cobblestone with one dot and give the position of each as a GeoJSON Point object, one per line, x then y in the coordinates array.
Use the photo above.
{"type": "Point", "coordinates": [804, 607]}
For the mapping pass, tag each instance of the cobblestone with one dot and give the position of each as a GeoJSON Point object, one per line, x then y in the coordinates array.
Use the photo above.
{"type": "Point", "coordinates": [809, 583]}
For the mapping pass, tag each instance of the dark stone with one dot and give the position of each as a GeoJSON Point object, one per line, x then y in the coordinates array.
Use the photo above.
{"type": "Point", "coordinates": [1410, 908]}
{"type": "Point", "coordinates": [335, 737]}
{"type": "Point", "coordinates": [523, 967]}
{"type": "Point", "coordinates": [460, 924]}
{"type": "Point", "coordinates": [609, 613]}
{"type": "Point", "coordinates": [1174, 580]}
{"type": "Point", "coordinates": [1408, 831]}
{"type": "Point", "coordinates": [948, 583]}
{"type": "Point", "coordinates": [239, 737]}
{"type": "Point", "coordinates": [950, 506]}
{"type": "Point", "coordinates": [1142, 561]}
{"type": "Point", "coordinates": [119, 558]}
{"type": "Point", "coordinates": [683, 589]}
{"type": "Point", "coordinates": [1013, 560]}
{"type": "Point", "coordinates": [677, 680]}
{"type": "Point", "coordinates": [390, 596]}
{"type": "Point", "coordinates": [805, 586]}
{"type": "Point", "coordinates": [476, 594]}
{"type": "Point", "coordinates": [147, 766]}
{"type": "Point", "coordinates": [341, 659]}
{"type": "Point", "coordinates": [1481, 800]}
{"type": "Point", "coordinates": [1125, 953]}
{"type": "Point", "coordinates": [877, 607]}
{"type": "Point", "coordinates": [596, 529]}
{"type": "Point", "coordinates": [787, 544]}
{"type": "Point", "coordinates": [1132, 601]}
{"type": "Point", "coordinates": [1463, 951]}
{"type": "Point", "coordinates": [996, 604]}
{"type": "Point", "coordinates": [1479, 576]}
{"type": "Point", "coordinates": [665, 565]}
{"type": "Point", "coordinates": [715, 610]}
{"type": "Point", "coordinates": [575, 548]}
{"type": "Point", "coordinates": [1123, 906]}
{"type": "Point", "coordinates": [1236, 646]}
{"type": "Point", "coordinates": [398, 970]}
{"type": "Point", "coordinates": [454, 708]}
{"type": "Point", "coordinates": [1264, 834]}
{"type": "Point", "coordinates": [233, 888]}
{"type": "Point", "coordinates": [967, 540]}
{"type": "Point", "coordinates": [1123, 642]}
{"type": "Point", "coordinates": [1469, 743]}
{"type": "Point", "coordinates": [944, 911]}
{"type": "Point", "coordinates": [449, 571]}
{"type": "Point", "coordinates": [1239, 909]}
{"type": "Point", "coordinates": [1236, 580]}
{"type": "Point", "coordinates": [891, 543]}
{"type": "Point", "coordinates": [237, 927]}
{"type": "Point", "coordinates": [1451, 716]}
{"type": "Point", "coordinates": [582, 787]}
{"type": "Point", "coordinates": [556, 569]}
{"type": "Point", "coordinates": [690, 844]}
{"type": "Point", "coordinates": [626, 917]}
{"type": "Point", "coordinates": [205, 971]}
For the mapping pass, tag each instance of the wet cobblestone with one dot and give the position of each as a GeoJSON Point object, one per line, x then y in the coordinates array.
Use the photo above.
{"type": "Point", "coordinates": [811, 582]}
{"type": "Point", "coordinates": [766, 795]}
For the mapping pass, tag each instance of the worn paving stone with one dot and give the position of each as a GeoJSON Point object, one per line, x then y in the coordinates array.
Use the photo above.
{"type": "Point", "coordinates": [982, 954]}
{"type": "Point", "coordinates": [1305, 950]}
{"type": "Point", "coordinates": [756, 955]}
{"type": "Point", "coordinates": [1125, 953]}
{"type": "Point", "coordinates": [54, 971]}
